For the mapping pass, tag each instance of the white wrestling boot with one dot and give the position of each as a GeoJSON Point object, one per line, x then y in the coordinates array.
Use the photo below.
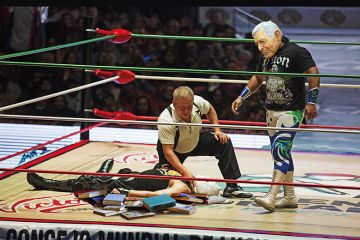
{"type": "Point", "coordinates": [268, 201]}
{"type": "Point", "coordinates": [289, 200]}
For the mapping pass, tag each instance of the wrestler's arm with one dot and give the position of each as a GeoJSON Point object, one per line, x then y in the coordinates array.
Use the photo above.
{"type": "Point", "coordinates": [314, 83]}
{"type": "Point", "coordinates": [252, 86]}
{"type": "Point", "coordinates": [255, 82]}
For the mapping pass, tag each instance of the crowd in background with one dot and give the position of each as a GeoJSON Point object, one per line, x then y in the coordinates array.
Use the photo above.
{"type": "Point", "coordinates": [60, 25]}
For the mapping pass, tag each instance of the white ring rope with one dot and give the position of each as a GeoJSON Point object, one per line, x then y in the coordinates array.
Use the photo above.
{"type": "Point", "coordinates": [20, 104]}
{"type": "Point", "coordinates": [58, 93]}
{"type": "Point", "coordinates": [68, 119]}
{"type": "Point", "coordinates": [220, 80]}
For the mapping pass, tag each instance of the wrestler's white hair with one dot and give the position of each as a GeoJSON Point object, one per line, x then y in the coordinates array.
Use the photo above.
{"type": "Point", "coordinates": [269, 28]}
{"type": "Point", "coordinates": [208, 188]}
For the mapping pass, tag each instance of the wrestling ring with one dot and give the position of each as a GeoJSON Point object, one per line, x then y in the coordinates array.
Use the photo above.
{"type": "Point", "coordinates": [329, 206]}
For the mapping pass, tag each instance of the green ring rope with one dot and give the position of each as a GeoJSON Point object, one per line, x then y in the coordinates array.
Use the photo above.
{"type": "Point", "coordinates": [182, 70]}
{"type": "Point", "coordinates": [231, 39]}
{"type": "Point", "coordinates": [158, 37]}
{"type": "Point", "coordinates": [54, 47]}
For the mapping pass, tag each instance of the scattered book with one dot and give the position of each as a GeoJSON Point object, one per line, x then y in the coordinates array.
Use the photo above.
{"type": "Point", "coordinates": [133, 198]}
{"type": "Point", "coordinates": [187, 198]}
{"type": "Point", "coordinates": [114, 199]}
{"type": "Point", "coordinates": [114, 208]}
{"type": "Point", "coordinates": [183, 208]}
{"type": "Point", "coordinates": [160, 202]}
{"type": "Point", "coordinates": [135, 205]}
{"type": "Point", "coordinates": [90, 194]}
{"type": "Point", "coordinates": [199, 195]}
{"type": "Point", "coordinates": [136, 214]}
{"type": "Point", "coordinates": [105, 213]}
{"type": "Point", "coordinates": [96, 201]}
{"type": "Point", "coordinates": [218, 200]}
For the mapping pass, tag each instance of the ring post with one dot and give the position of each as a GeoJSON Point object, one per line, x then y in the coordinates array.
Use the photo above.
{"type": "Point", "coordinates": [85, 78]}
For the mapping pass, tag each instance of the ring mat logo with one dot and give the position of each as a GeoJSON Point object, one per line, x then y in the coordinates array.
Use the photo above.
{"type": "Point", "coordinates": [47, 204]}
{"type": "Point", "coordinates": [138, 157]}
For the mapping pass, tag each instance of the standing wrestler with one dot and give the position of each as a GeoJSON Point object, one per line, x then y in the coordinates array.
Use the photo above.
{"type": "Point", "coordinates": [176, 143]}
{"type": "Point", "coordinates": [285, 103]}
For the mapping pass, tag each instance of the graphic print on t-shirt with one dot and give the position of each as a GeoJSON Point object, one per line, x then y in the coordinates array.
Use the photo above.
{"type": "Point", "coordinates": [277, 93]}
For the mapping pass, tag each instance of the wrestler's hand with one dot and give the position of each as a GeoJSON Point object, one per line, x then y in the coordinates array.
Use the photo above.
{"type": "Point", "coordinates": [221, 137]}
{"type": "Point", "coordinates": [236, 104]}
{"type": "Point", "coordinates": [310, 111]}
{"type": "Point", "coordinates": [188, 174]}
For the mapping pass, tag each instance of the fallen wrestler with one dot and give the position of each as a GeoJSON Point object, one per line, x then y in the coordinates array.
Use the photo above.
{"type": "Point", "coordinates": [131, 186]}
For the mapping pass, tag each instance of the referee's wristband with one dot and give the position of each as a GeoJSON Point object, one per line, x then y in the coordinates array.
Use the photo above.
{"type": "Point", "coordinates": [245, 93]}
{"type": "Point", "coordinates": [313, 95]}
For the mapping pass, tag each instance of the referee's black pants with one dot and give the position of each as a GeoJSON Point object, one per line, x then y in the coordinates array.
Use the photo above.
{"type": "Point", "coordinates": [209, 146]}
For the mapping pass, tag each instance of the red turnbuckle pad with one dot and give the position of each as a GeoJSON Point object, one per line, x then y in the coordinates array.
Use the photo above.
{"type": "Point", "coordinates": [121, 35]}
{"type": "Point", "coordinates": [118, 115]}
{"type": "Point", "coordinates": [125, 76]}
{"type": "Point", "coordinates": [123, 115]}
{"type": "Point", "coordinates": [104, 74]}
{"type": "Point", "coordinates": [103, 114]}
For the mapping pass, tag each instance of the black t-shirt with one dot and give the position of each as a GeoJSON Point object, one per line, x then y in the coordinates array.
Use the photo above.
{"type": "Point", "coordinates": [284, 93]}
{"type": "Point", "coordinates": [152, 184]}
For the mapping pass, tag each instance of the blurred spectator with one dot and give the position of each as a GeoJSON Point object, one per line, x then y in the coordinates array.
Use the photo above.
{"type": "Point", "coordinates": [170, 59]}
{"type": "Point", "coordinates": [153, 23]}
{"type": "Point", "coordinates": [9, 91]}
{"type": "Point", "coordinates": [25, 28]}
{"type": "Point", "coordinates": [142, 107]}
{"type": "Point", "coordinates": [110, 104]}
{"type": "Point", "coordinates": [60, 108]}
{"type": "Point", "coordinates": [217, 21]}
{"type": "Point", "coordinates": [186, 25]}
{"type": "Point", "coordinates": [256, 114]}
{"type": "Point", "coordinates": [172, 27]}
{"type": "Point", "coordinates": [99, 97]}
{"type": "Point", "coordinates": [130, 92]}
{"type": "Point", "coordinates": [46, 87]}
{"type": "Point", "coordinates": [65, 28]}
{"type": "Point", "coordinates": [197, 30]}
{"type": "Point", "coordinates": [66, 25]}
{"type": "Point", "coordinates": [165, 95]}
{"type": "Point", "coordinates": [5, 27]}
{"type": "Point", "coordinates": [221, 104]}
{"type": "Point", "coordinates": [41, 108]}
{"type": "Point", "coordinates": [73, 99]}
{"type": "Point", "coordinates": [191, 54]}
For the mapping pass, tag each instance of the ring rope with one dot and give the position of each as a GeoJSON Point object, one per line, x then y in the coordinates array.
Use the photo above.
{"type": "Point", "coordinates": [247, 40]}
{"type": "Point", "coordinates": [52, 141]}
{"type": "Point", "coordinates": [220, 80]}
{"type": "Point", "coordinates": [153, 118]}
{"type": "Point", "coordinates": [68, 119]}
{"type": "Point", "coordinates": [220, 39]}
{"type": "Point", "coordinates": [23, 103]}
{"type": "Point", "coordinates": [147, 78]}
{"type": "Point", "coordinates": [7, 56]}
{"type": "Point", "coordinates": [178, 70]}
{"type": "Point", "coordinates": [180, 178]}
{"type": "Point", "coordinates": [54, 47]}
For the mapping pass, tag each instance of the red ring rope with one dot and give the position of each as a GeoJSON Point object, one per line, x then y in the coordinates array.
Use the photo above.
{"type": "Point", "coordinates": [123, 115]}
